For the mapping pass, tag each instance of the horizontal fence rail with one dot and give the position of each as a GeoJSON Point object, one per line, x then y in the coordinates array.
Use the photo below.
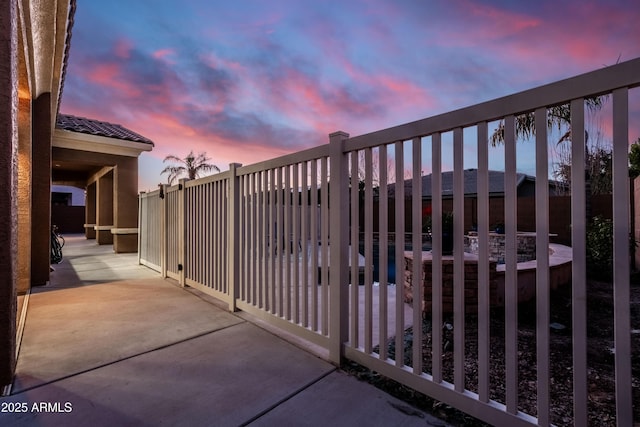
{"type": "Point", "coordinates": [336, 244]}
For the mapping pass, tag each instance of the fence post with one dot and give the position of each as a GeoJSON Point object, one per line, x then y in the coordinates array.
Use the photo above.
{"type": "Point", "coordinates": [182, 229]}
{"type": "Point", "coordinates": [164, 241]}
{"type": "Point", "coordinates": [233, 229]}
{"type": "Point", "coordinates": [338, 247]}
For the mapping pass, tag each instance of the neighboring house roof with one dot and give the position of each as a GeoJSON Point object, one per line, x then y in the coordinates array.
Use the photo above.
{"type": "Point", "coordinates": [496, 183]}
{"type": "Point", "coordinates": [99, 128]}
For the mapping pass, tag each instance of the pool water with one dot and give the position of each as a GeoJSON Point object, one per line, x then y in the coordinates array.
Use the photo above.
{"type": "Point", "coordinates": [391, 259]}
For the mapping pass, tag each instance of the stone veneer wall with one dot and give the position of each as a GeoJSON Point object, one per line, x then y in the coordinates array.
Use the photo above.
{"type": "Point", "coordinates": [470, 284]}
{"type": "Point", "coordinates": [526, 249]}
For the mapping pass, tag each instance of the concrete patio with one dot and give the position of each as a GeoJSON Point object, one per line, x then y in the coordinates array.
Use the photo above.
{"type": "Point", "coordinates": [109, 342]}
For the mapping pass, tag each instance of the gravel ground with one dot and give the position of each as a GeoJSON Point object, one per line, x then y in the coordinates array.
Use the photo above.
{"type": "Point", "coordinates": [600, 359]}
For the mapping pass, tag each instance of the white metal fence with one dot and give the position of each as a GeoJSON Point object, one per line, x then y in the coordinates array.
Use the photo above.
{"type": "Point", "coordinates": [285, 238]}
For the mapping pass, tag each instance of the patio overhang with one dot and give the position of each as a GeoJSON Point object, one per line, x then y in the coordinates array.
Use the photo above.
{"type": "Point", "coordinates": [92, 153]}
{"type": "Point", "coordinates": [98, 144]}
{"type": "Point", "coordinates": [101, 158]}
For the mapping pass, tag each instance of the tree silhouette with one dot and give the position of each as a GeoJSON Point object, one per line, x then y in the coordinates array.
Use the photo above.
{"type": "Point", "coordinates": [557, 117]}
{"type": "Point", "coordinates": [634, 159]}
{"type": "Point", "coordinates": [192, 166]}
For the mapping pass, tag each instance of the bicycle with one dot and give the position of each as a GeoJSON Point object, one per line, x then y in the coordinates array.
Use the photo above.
{"type": "Point", "coordinates": [57, 243]}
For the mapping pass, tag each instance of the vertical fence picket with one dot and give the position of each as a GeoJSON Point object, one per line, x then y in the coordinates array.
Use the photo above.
{"type": "Point", "coordinates": [262, 277]}
{"type": "Point", "coordinates": [621, 268]}
{"type": "Point", "coordinates": [286, 193]}
{"type": "Point", "coordinates": [578, 240]}
{"type": "Point", "coordinates": [511, 273]}
{"type": "Point", "coordinates": [296, 243]}
{"type": "Point", "coordinates": [542, 267]}
{"type": "Point", "coordinates": [254, 239]}
{"type": "Point", "coordinates": [197, 248]}
{"type": "Point", "coordinates": [368, 250]}
{"type": "Point", "coordinates": [246, 234]}
{"type": "Point", "coordinates": [218, 278]}
{"type": "Point", "coordinates": [164, 244]}
{"type": "Point", "coordinates": [399, 251]}
{"type": "Point", "coordinates": [196, 220]}
{"type": "Point", "coordinates": [278, 243]}
{"type": "Point", "coordinates": [436, 256]}
{"type": "Point", "coordinates": [215, 242]}
{"type": "Point", "coordinates": [142, 236]}
{"type": "Point", "coordinates": [484, 286]}
{"type": "Point", "coordinates": [416, 244]}
{"type": "Point", "coordinates": [314, 245]}
{"type": "Point", "coordinates": [383, 248]}
{"type": "Point", "coordinates": [458, 261]}
{"type": "Point", "coordinates": [324, 215]}
{"type": "Point", "coordinates": [305, 244]}
{"type": "Point", "coordinates": [204, 251]}
{"type": "Point", "coordinates": [353, 256]}
{"type": "Point", "coordinates": [272, 241]}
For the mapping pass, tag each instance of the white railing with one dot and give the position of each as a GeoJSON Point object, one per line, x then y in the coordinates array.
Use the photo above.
{"type": "Point", "coordinates": [285, 238]}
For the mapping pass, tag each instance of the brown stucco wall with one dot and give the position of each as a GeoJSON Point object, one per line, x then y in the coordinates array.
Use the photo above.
{"type": "Point", "coordinates": [126, 204]}
{"type": "Point", "coordinates": [90, 211]}
{"type": "Point", "coordinates": [41, 195]}
{"type": "Point", "coordinates": [24, 196]}
{"type": "Point", "coordinates": [104, 208]}
{"type": "Point", "coordinates": [8, 187]}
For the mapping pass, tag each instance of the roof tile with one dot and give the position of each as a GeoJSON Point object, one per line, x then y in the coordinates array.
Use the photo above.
{"type": "Point", "coordinates": [98, 128]}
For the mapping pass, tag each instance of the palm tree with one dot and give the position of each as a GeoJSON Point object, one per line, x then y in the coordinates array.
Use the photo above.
{"type": "Point", "coordinates": [191, 166]}
{"type": "Point", "coordinates": [557, 116]}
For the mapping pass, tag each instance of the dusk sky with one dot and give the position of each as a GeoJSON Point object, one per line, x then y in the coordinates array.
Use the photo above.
{"type": "Point", "coordinates": [248, 80]}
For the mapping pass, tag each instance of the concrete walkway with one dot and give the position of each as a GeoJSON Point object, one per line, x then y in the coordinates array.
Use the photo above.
{"type": "Point", "coordinates": [110, 343]}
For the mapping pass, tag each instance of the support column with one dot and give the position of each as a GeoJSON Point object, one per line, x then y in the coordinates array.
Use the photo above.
{"type": "Point", "coordinates": [24, 196]}
{"type": "Point", "coordinates": [125, 206]}
{"type": "Point", "coordinates": [90, 212]}
{"type": "Point", "coordinates": [8, 187]}
{"type": "Point", "coordinates": [41, 190]}
{"type": "Point", "coordinates": [104, 209]}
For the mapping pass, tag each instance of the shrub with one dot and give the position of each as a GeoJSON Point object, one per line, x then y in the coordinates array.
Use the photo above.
{"type": "Point", "coordinates": [600, 248]}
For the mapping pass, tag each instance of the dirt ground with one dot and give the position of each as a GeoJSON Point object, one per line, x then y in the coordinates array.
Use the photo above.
{"type": "Point", "coordinates": [600, 359]}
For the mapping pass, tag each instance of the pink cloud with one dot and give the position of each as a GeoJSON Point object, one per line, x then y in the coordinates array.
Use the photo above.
{"type": "Point", "coordinates": [407, 91]}
{"type": "Point", "coordinates": [109, 75]}
{"type": "Point", "coordinates": [122, 48]}
{"type": "Point", "coordinates": [216, 62]}
{"type": "Point", "coordinates": [169, 135]}
{"type": "Point", "coordinates": [164, 54]}
{"type": "Point", "coordinates": [497, 21]}
{"type": "Point", "coordinates": [478, 25]}
{"type": "Point", "coordinates": [556, 41]}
